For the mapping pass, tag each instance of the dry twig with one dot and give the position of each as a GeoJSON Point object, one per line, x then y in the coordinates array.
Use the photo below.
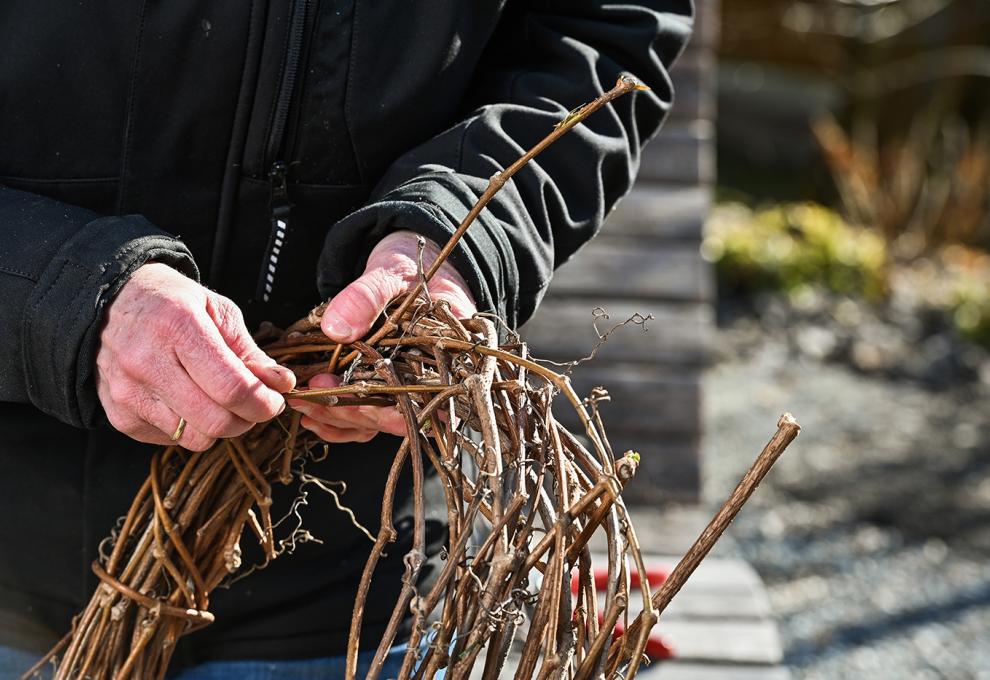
{"type": "Point", "coordinates": [541, 492]}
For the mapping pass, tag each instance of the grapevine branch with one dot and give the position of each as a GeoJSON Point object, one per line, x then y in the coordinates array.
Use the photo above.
{"type": "Point", "coordinates": [479, 419]}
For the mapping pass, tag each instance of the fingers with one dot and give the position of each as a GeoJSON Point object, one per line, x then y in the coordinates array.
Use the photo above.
{"type": "Point", "coordinates": [224, 377]}
{"type": "Point", "coordinates": [170, 348]}
{"type": "Point", "coordinates": [147, 405]}
{"type": "Point", "coordinates": [352, 313]}
{"type": "Point", "coordinates": [140, 415]}
{"type": "Point", "coordinates": [230, 322]}
{"type": "Point", "coordinates": [185, 398]}
{"type": "Point", "coordinates": [347, 423]}
{"type": "Point", "coordinates": [372, 418]}
{"type": "Point", "coordinates": [393, 268]}
{"type": "Point", "coordinates": [380, 418]}
{"type": "Point", "coordinates": [455, 292]}
{"type": "Point", "coordinates": [336, 435]}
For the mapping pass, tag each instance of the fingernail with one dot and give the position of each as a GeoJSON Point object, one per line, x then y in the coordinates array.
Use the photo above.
{"type": "Point", "coordinates": [281, 409]}
{"type": "Point", "coordinates": [337, 328]}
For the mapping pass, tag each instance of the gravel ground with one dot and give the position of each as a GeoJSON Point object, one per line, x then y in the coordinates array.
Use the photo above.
{"type": "Point", "coordinates": [873, 532]}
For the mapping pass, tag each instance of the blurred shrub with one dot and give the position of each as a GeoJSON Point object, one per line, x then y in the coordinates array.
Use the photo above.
{"type": "Point", "coordinates": [968, 278]}
{"type": "Point", "coordinates": [896, 91]}
{"type": "Point", "coordinates": [795, 247]}
{"type": "Point", "coordinates": [792, 246]}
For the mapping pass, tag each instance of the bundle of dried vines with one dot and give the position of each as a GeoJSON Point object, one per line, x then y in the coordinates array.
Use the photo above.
{"type": "Point", "coordinates": [479, 414]}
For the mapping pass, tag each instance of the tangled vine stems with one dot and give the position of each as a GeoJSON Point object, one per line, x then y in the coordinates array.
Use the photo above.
{"type": "Point", "coordinates": [624, 85]}
{"type": "Point", "coordinates": [479, 419]}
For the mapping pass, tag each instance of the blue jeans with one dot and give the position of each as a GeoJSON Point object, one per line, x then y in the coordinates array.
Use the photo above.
{"type": "Point", "coordinates": [13, 662]}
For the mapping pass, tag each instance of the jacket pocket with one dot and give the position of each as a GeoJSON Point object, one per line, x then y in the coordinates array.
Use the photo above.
{"type": "Point", "coordinates": [311, 43]}
{"type": "Point", "coordinates": [297, 117]}
{"type": "Point", "coordinates": [315, 208]}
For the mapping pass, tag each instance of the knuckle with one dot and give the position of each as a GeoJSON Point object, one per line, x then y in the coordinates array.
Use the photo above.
{"type": "Point", "coordinates": [369, 292]}
{"type": "Point", "coordinates": [177, 325]}
{"type": "Point", "coordinates": [234, 389]}
{"type": "Point", "coordinates": [226, 312]}
{"type": "Point", "coordinates": [177, 332]}
{"type": "Point", "coordinates": [144, 407]}
{"type": "Point", "coordinates": [315, 412]}
{"type": "Point", "coordinates": [398, 271]}
{"type": "Point", "coordinates": [105, 356]}
{"type": "Point", "coordinates": [233, 312]}
{"type": "Point", "coordinates": [222, 424]}
{"type": "Point", "coordinates": [394, 280]}
{"type": "Point", "coordinates": [121, 392]}
{"type": "Point", "coordinates": [338, 423]}
{"type": "Point", "coordinates": [171, 312]}
{"type": "Point", "coordinates": [120, 421]}
{"type": "Point", "coordinates": [373, 414]}
{"type": "Point", "coordinates": [135, 359]}
{"type": "Point", "coordinates": [197, 442]}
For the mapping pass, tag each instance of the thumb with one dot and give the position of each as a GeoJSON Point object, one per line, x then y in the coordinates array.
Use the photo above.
{"type": "Point", "coordinates": [230, 322]}
{"type": "Point", "coordinates": [352, 312]}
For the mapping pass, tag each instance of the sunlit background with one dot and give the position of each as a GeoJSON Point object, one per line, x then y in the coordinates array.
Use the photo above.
{"type": "Point", "coordinates": [850, 240]}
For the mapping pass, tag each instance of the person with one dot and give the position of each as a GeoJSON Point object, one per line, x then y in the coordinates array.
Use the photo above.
{"type": "Point", "coordinates": [172, 174]}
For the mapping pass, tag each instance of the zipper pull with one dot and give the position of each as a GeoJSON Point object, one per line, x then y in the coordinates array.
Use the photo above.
{"type": "Point", "coordinates": [279, 183]}
{"type": "Point", "coordinates": [279, 209]}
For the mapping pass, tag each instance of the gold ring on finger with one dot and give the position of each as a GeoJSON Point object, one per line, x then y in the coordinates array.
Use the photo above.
{"type": "Point", "coordinates": [177, 435]}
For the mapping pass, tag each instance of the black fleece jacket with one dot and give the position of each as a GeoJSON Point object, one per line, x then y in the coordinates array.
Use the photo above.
{"type": "Point", "coordinates": [266, 146]}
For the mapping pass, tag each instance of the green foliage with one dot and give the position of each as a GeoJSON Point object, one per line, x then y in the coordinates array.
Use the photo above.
{"type": "Point", "coordinates": [972, 318]}
{"type": "Point", "coordinates": [792, 246]}
{"type": "Point", "coordinates": [968, 282]}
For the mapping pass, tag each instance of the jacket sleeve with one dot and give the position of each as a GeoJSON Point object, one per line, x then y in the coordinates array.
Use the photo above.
{"type": "Point", "coordinates": [59, 266]}
{"type": "Point", "coordinates": [544, 59]}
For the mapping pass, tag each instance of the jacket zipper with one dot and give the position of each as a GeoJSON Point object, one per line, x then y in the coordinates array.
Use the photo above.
{"type": "Point", "coordinates": [279, 206]}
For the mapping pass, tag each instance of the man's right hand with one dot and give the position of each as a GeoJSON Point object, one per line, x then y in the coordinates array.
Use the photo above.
{"type": "Point", "coordinates": [170, 348]}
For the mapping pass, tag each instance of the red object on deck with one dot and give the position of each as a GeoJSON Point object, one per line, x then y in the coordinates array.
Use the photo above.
{"type": "Point", "coordinates": [657, 647]}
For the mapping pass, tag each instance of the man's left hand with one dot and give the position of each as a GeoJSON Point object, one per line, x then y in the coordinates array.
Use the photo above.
{"type": "Point", "coordinates": [392, 269]}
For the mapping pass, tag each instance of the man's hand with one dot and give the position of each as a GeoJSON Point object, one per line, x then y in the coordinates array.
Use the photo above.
{"type": "Point", "coordinates": [170, 348]}
{"type": "Point", "coordinates": [392, 269]}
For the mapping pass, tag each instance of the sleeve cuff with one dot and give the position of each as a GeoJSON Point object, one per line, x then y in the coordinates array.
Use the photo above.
{"type": "Point", "coordinates": [433, 208]}
{"type": "Point", "coordinates": [62, 318]}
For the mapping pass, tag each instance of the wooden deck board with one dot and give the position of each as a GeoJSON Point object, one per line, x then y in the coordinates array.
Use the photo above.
{"type": "Point", "coordinates": [671, 531]}
{"type": "Point", "coordinates": [659, 401]}
{"type": "Point", "coordinates": [684, 152]}
{"type": "Point", "coordinates": [629, 267]}
{"type": "Point", "coordinates": [680, 670]}
{"type": "Point", "coordinates": [725, 641]}
{"type": "Point", "coordinates": [679, 334]}
{"type": "Point", "coordinates": [660, 212]}
{"type": "Point", "coordinates": [714, 605]}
